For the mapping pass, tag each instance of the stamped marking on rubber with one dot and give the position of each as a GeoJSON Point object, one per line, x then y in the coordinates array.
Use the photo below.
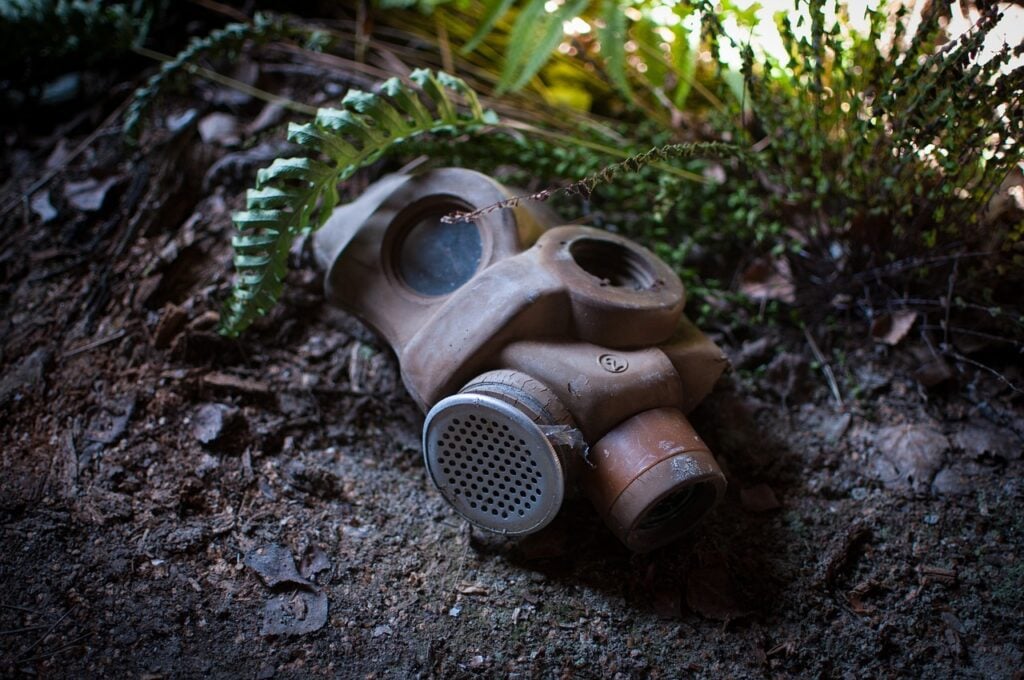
{"type": "Point", "coordinates": [613, 363]}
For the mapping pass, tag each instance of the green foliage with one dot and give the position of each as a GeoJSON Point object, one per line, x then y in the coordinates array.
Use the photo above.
{"type": "Point", "coordinates": [534, 36]}
{"type": "Point", "coordinates": [296, 195]}
{"type": "Point", "coordinates": [45, 38]}
{"type": "Point", "coordinates": [658, 71]}
{"type": "Point", "coordinates": [223, 42]}
{"type": "Point", "coordinates": [874, 158]}
{"type": "Point", "coordinates": [613, 41]}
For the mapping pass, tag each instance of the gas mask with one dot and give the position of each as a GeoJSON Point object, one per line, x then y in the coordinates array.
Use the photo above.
{"type": "Point", "coordinates": [547, 358]}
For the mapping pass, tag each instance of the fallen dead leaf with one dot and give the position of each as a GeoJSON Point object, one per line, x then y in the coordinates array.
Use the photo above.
{"type": "Point", "coordinates": [764, 280]}
{"type": "Point", "coordinates": [294, 613]}
{"type": "Point", "coordinates": [275, 566]}
{"type": "Point", "coordinates": [910, 455]}
{"type": "Point", "coordinates": [892, 328]}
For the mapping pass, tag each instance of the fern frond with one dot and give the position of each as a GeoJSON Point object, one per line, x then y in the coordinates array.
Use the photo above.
{"type": "Point", "coordinates": [223, 41]}
{"type": "Point", "coordinates": [613, 43]}
{"type": "Point", "coordinates": [535, 35]}
{"type": "Point", "coordinates": [294, 196]}
{"type": "Point", "coordinates": [494, 10]}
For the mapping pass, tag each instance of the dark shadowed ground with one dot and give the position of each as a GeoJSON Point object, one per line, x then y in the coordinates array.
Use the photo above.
{"type": "Point", "coordinates": [175, 504]}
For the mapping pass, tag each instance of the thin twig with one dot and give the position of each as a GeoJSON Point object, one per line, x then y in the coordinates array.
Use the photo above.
{"type": "Point", "coordinates": [977, 364]}
{"type": "Point", "coordinates": [15, 631]}
{"type": "Point", "coordinates": [221, 8]}
{"type": "Point", "coordinates": [957, 330]}
{"type": "Point", "coordinates": [45, 635]}
{"type": "Point", "coordinates": [586, 185]}
{"type": "Point", "coordinates": [20, 609]}
{"type": "Point", "coordinates": [94, 344]}
{"type": "Point", "coordinates": [825, 367]}
{"type": "Point", "coordinates": [63, 648]}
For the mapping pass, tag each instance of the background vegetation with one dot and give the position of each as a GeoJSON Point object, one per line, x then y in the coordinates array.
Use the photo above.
{"type": "Point", "coordinates": [873, 154]}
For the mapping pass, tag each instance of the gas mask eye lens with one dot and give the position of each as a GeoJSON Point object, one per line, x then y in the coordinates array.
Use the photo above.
{"type": "Point", "coordinates": [436, 258]}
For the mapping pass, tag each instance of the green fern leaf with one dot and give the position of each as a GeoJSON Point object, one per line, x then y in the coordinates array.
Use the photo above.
{"type": "Point", "coordinates": [527, 53]}
{"type": "Point", "coordinates": [296, 195]}
{"type": "Point", "coordinates": [613, 46]}
{"type": "Point", "coordinates": [494, 10]}
{"type": "Point", "coordinates": [685, 53]}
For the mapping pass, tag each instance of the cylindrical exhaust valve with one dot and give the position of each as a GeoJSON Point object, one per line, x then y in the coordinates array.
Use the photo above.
{"type": "Point", "coordinates": [545, 356]}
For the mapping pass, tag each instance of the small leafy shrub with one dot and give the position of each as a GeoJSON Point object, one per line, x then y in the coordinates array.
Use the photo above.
{"type": "Point", "coordinates": [881, 165]}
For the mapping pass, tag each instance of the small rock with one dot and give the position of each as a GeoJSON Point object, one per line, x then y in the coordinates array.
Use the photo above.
{"type": "Point", "coordinates": [219, 128]}
{"type": "Point", "coordinates": [88, 195]}
{"type": "Point", "coordinates": [42, 206]}
{"type": "Point", "coordinates": [836, 427]}
{"type": "Point", "coordinates": [382, 630]}
{"type": "Point", "coordinates": [179, 121]}
{"type": "Point", "coordinates": [219, 424]}
{"type": "Point", "coordinates": [58, 158]}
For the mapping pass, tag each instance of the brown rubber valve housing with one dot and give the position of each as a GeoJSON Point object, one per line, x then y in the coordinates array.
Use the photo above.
{"type": "Point", "coordinates": [545, 356]}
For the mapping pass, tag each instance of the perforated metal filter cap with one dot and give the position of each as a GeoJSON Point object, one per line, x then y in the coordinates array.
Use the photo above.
{"type": "Point", "coordinates": [492, 463]}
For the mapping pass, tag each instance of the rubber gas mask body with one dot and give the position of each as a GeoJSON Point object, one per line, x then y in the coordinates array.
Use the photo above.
{"type": "Point", "coordinates": [545, 356]}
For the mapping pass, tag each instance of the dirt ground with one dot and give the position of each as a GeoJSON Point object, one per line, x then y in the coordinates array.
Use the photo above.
{"type": "Point", "coordinates": [176, 504]}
